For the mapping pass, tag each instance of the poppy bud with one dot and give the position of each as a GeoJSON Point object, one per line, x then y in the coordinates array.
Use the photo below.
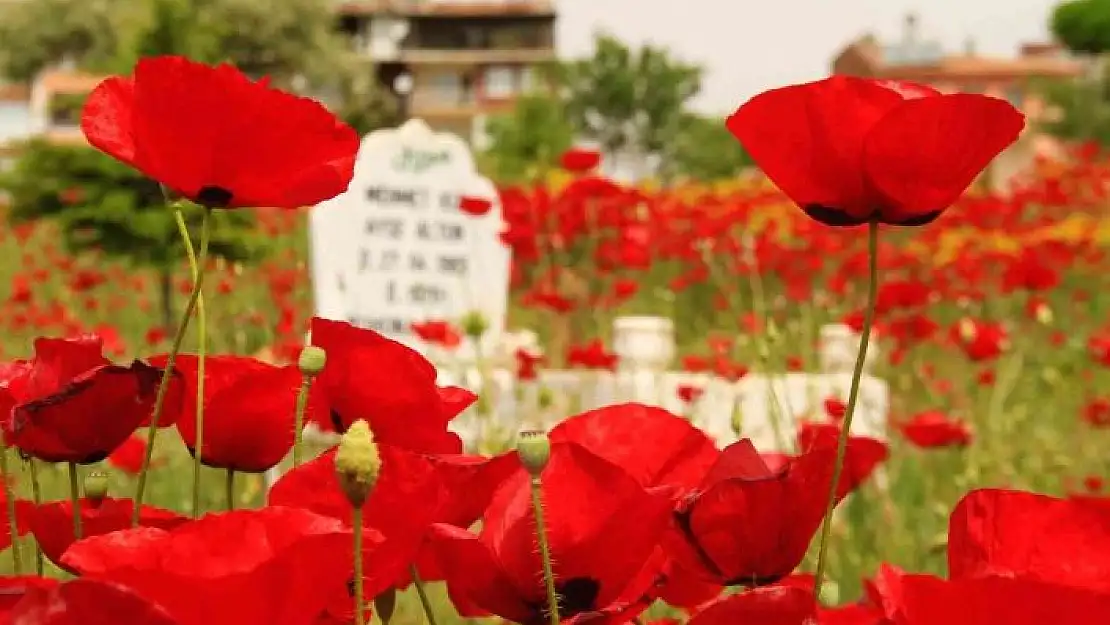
{"type": "Point", "coordinates": [534, 448]}
{"type": "Point", "coordinates": [312, 360]}
{"type": "Point", "coordinates": [474, 325]}
{"type": "Point", "coordinates": [385, 604]}
{"type": "Point", "coordinates": [357, 463]}
{"type": "Point", "coordinates": [545, 398]}
{"type": "Point", "coordinates": [829, 593]}
{"type": "Point", "coordinates": [96, 487]}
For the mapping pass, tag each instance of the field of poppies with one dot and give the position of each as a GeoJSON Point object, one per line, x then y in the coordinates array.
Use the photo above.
{"type": "Point", "coordinates": [986, 504]}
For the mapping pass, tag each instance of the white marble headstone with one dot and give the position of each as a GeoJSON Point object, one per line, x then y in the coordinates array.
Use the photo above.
{"type": "Point", "coordinates": [395, 248]}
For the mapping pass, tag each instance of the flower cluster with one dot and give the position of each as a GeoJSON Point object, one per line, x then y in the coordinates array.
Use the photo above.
{"type": "Point", "coordinates": [597, 520]}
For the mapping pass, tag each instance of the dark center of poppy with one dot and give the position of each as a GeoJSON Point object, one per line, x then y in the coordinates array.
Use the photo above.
{"type": "Point", "coordinates": [214, 197]}
{"type": "Point", "coordinates": [575, 596]}
{"type": "Point", "coordinates": [337, 421]}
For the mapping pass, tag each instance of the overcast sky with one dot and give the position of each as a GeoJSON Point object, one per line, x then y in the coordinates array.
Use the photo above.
{"type": "Point", "coordinates": [751, 45]}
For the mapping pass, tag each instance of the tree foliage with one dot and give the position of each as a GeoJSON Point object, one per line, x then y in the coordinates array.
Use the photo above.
{"type": "Point", "coordinates": [626, 98]}
{"type": "Point", "coordinates": [703, 149]}
{"type": "Point", "coordinates": [102, 204]}
{"type": "Point", "coordinates": [527, 142]}
{"type": "Point", "coordinates": [1083, 25]}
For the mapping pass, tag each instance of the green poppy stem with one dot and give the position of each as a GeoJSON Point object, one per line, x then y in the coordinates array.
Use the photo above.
{"type": "Point", "coordinates": [9, 493]}
{"type": "Point", "coordinates": [360, 600]}
{"type": "Point", "coordinates": [171, 358]}
{"type": "Point", "coordinates": [197, 267]}
{"type": "Point", "coordinates": [36, 496]}
{"type": "Point", "coordinates": [229, 489]}
{"type": "Point", "coordinates": [545, 552]}
{"type": "Point", "coordinates": [75, 499]}
{"type": "Point", "coordinates": [302, 405]}
{"type": "Point", "coordinates": [853, 398]}
{"type": "Point", "coordinates": [422, 592]}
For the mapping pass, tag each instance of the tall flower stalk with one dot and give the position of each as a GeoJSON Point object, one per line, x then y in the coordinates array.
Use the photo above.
{"type": "Point", "coordinates": [171, 359]}
{"type": "Point", "coordinates": [853, 398]}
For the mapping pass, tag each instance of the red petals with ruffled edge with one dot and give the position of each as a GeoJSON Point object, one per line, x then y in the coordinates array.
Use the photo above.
{"type": "Point", "coordinates": [392, 387]}
{"type": "Point", "coordinates": [219, 138]}
{"type": "Point", "coordinates": [279, 566]}
{"type": "Point", "coordinates": [849, 150]}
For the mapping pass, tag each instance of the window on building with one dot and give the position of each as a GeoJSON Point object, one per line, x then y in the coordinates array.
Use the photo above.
{"type": "Point", "coordinates": [500, 82]}
{"type": "Point", "coordinates": [446, 87]}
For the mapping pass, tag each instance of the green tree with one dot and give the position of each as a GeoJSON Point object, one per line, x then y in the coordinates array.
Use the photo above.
{"type": "Point", "coordinates": [526, 143]}
{"type": "Point", "coordinates": [703, 149]}
{"type": "Point", "coordinates": [628, 99]}
{"type": "Point", "coordinates": [1082, 25]}
{"type": "Point", "coordinates": [294, 42]}
{"type": "Point", "coordinates": [36, 34]}
{"type": "Point", "coordinates": [101, 204]}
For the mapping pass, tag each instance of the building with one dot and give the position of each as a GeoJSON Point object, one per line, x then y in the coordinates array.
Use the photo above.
{"type": "Point", "coordinates": [453, 63]}
{"type": "Point", "coordinates": [921, 59]}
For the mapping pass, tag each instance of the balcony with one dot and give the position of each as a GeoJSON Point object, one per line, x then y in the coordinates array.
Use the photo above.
{"type": "Point", "coordinates": [448, 8]}
{"type": "Point", "coordinates": [476, 56]}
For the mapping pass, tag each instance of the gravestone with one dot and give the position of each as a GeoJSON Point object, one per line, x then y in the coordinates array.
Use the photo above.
{"type": "Point", "coordinates": [396, 249]}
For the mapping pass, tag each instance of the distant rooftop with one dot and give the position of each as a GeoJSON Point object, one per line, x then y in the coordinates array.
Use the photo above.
{"type": "Point", "coordinates": [915, 57]}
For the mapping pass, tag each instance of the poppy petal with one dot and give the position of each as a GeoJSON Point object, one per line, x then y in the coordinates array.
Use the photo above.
{"type": "Point", "coordinates": [926, 152]}
{"type": "Point", "coordinates": [809, 139]}
{"type": "Point", "coordinates": [106, 118]}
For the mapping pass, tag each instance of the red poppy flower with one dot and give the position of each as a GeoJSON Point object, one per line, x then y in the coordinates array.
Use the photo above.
{"type": "Point", "coordinates": [219, 138]}
{"type": "Point", "coordinates": [769, 605]}
{"type": "Point", "coordinates": [69, 404]}
{"type": "Point", "coordinates": [580, 160]}
{"type": "Point", "coordinates": [391, 387]}
{"type": "Point", "coordinates": [1015, 534]}
{"type": "Point", "coordinates": [592, 355]}
{"type": "Point", "coordinates": [868, 453]}
{"type": "Point", "coordinates": [52, 522]}
{"type": "Point", "coordinates": [602, 527]}
{"type": "Point", "coordinates": [86, 602]}
{"type": "Point", "coordinates": [13, 588]}
{"type": "Point", "coordinates": [666, 450]}
{"type": "Point", "coordinates": [928, 600]}
{"type": "Point", "coordinates": [279, 566]}
{"type": "Point", "coordinates": [128, 457]}
{"type": "Point", "coordinates": [476, 206]}
{"type": "Point", "coordinates": [248, 410]}
{"type": "Point", "coordinates": [689, 393]}
{"type": "Point", "coordinates": [852, 150]}
{"type": "Point", "coordinates": [438, 333]}
{"type": "Point", "coordinates": [749, 525]}
{"type": "Point", "coordinates": [931, 429]}
{"type": "Point", "coordinates": [526, 364]}
{"type": "Point", "coordinates": [835, 408]}
{"type": "Point", "coordinates": [412, 492]}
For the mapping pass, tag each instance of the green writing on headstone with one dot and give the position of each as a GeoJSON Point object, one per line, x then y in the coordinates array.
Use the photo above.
{"type": "Point", "coordinates": [416, 161]}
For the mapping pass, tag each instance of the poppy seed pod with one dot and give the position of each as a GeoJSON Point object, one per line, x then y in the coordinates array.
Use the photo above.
{"type": "Point", "coordinates": [474, 325]}
{"type": "Point", "coordinates": [357, 463]}
{"type": "Point", "coordinates": [96, 486]}
{"type": "Point", "coordinates": [312, 360]}
{"type": "Point", "coordinates": [534, 448]}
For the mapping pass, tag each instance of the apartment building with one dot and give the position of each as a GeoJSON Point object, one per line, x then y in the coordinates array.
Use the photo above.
{"type": "Point", "coordinates": [454, 62]}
